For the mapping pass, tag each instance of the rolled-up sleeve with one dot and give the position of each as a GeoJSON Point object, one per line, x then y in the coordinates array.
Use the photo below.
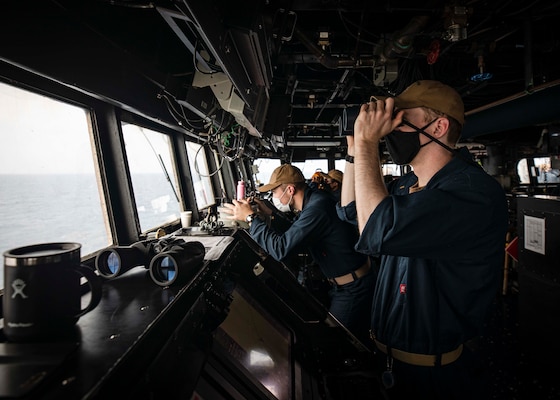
{"type": "Point", "coordinates": [347, 213]}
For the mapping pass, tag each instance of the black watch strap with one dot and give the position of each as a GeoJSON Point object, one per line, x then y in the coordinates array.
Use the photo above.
{"type": "Point", "coordinates": [349, 159]}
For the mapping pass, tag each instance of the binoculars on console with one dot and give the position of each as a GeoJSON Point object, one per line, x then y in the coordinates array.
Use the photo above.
{"type": "Point", "coordinates": [169, 260]}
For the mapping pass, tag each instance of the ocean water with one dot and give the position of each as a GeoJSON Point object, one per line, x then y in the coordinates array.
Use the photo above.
{"type": "Point", "coordinates": [66, 208]}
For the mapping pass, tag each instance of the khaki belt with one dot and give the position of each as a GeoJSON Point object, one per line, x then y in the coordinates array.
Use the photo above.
{"type": "Point", "coordinates": [424, 360]}
{"type": "Point", "coordinates": [352, 276]}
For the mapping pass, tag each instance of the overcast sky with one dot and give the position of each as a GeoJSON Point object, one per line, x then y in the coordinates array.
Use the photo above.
{"type": "Point", "coordinates": [39, 135]}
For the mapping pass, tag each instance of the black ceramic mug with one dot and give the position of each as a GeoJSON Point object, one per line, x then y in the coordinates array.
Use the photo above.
{"type": "Point", "coordinates": [42, 291]}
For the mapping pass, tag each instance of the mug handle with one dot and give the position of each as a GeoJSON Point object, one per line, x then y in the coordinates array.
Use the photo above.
{"type": "Point", "coordinates": [95, 286]}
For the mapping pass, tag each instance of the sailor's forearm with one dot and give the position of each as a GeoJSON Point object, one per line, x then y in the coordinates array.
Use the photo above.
{"type": "Point", "coordinates": [370, 186]}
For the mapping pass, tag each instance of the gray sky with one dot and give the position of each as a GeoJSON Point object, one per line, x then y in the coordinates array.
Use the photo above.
{"type": "Point", "coordinates": [27, 125]}
{"type": "Point", "coordinates": [39, 135]}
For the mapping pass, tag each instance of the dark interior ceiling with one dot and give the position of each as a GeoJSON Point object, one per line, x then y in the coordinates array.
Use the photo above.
{"type": "Point", "coordinates": [286, 70]}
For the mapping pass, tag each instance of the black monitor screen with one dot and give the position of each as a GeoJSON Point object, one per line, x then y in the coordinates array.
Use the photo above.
{"type": "Point", "coordinates": [259, 343]}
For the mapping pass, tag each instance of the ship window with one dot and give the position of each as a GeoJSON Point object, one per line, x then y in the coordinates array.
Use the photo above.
{"type": "Point", "coordinates": [523, 171]}
{"type": "Point", "coordinates": [50, 189]}
{"type": "Point", "coordinates": [264, 168]}
{"type": "Point", "coordinates": [153, 177]}
{"type": "Point", "coordinates": [340, 164]}
{"type": "Point", "coordinates": [223, 170]}
{"type": "Point", "coordinates": [309, 167]}
{"type": "Point", "coordinates": [391, 171]}
{"type": "Point", "coordinates": [544, 169]}
{"type": "Point", "coordinates": [202, 183]}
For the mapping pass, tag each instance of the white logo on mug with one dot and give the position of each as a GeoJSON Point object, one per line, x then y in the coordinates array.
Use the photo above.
{"type": "Point", "coordinates": [18, 286]}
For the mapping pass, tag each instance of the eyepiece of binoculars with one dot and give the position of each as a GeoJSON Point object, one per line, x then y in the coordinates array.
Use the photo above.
{"type": "Point", "coordinates": [176, 264]}
{"type": "Point", "coordinates": [108, 263]}
{"type": "Point", "coordinates": [115, 261]}
{"type": "Point", "coordinates": [164, 269]}
{"type": "Point", "coordinates": [346, 125]}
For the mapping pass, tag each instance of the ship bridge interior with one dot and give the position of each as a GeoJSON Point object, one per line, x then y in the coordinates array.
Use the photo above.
{"type": "Point", "coordinates": [291, 74]}
{"type": "Point", "coordinates": [285, 78]}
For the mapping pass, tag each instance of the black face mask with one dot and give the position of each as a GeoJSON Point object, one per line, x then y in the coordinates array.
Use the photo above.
{"type": "Point", "coordinates": [403, 146]}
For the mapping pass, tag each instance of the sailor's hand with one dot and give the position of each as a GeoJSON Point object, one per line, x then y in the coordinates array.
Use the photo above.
{"type": "Point", "coordinates": [238, 210]}
{"type": "Point", "coordinates": [375, 121]}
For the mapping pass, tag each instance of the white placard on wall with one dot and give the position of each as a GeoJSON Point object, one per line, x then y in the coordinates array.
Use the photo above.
{"type": "Point", "coordinates": [534, 234]}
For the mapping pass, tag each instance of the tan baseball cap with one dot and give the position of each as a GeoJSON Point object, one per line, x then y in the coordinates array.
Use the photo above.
{"type": "Point", "coordinates": [434, 95]}
{"type": "Point", "coordinates": [285, 173]}
{"type": "Point", "coordinates": [336, 175]}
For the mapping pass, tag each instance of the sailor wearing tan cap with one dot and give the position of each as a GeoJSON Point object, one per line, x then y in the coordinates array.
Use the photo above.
{"type": "Point", "coordinates": [329, 240]}
{"type": "Point", "coordinates": [330, 182]}
{"type": "Point", "coordinates": [439, 232]}
{"type": "Point", "coordinates": [334, 180]}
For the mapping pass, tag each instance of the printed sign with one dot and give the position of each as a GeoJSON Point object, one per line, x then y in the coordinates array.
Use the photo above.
{"type": "Point", "coordinates": [534, 234]}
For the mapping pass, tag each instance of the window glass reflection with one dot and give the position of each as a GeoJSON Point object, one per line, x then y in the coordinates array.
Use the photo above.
{"type": "Point", "coordinates": [265, 167]}
{"type": "Point", "coordinates": [153, 177]}
{"type": "Point", "coordinates": [202, 183]}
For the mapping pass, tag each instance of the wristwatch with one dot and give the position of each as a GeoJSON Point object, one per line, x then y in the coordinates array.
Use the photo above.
{"type": "Point", "coordinates": [250, 218]}
{"type": "Point", "coordinates": [349, 159]}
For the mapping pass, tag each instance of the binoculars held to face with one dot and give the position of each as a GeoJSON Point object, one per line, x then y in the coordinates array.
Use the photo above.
{"type": "Point", "coordinates": [346, 123]}
{"type": "Point", "coordinates": [169, 260]}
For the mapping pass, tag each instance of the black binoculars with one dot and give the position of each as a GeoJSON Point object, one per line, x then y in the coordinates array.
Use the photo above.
{"type": "Point", "coordinates": [169, 260]}
{"type": "Point", "coordinates": [346, 123]}
{"type": "Point", "coordinates": [116, 260]}
{"type": "Point", "coordinates": [176, 262]}
{"type": "Point", "coordinates": [349, 115]}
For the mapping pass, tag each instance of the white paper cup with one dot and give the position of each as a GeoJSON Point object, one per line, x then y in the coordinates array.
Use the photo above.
{"type": "Point", "coordinates": [186, 217]}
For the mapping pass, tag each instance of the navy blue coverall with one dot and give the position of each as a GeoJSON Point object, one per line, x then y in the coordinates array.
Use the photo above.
{"type": "Point", "coordinates": [330, 242]}
{"type": "Point", "coordinates": [441, 252]}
